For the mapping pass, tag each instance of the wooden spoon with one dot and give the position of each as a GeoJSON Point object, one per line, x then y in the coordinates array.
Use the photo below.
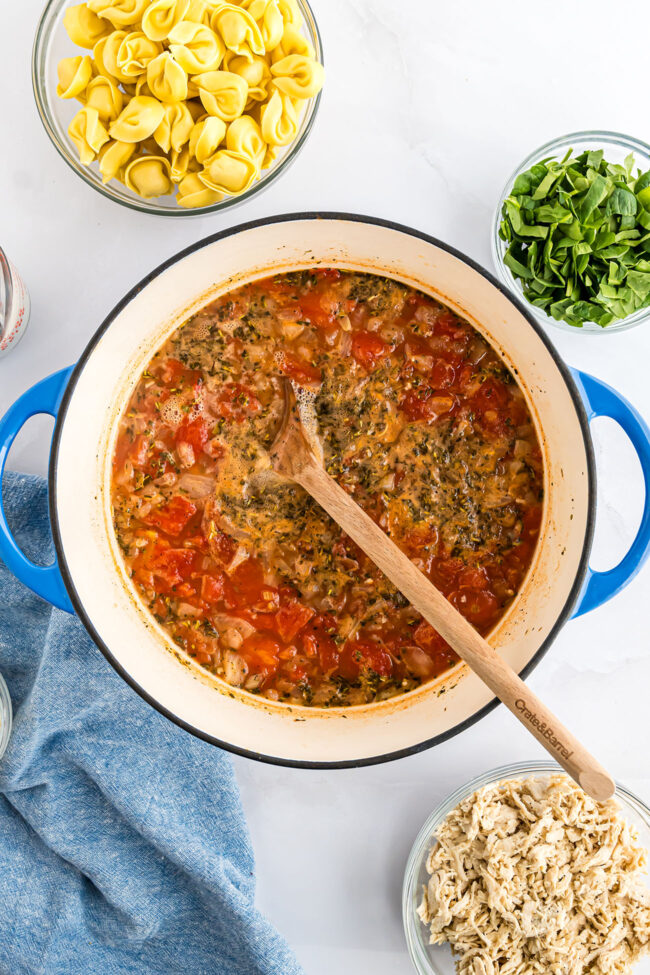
{"type": "Point", "coordinates": [294, 454]}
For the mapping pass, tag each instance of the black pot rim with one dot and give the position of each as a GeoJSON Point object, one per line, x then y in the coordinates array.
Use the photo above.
{"type": "Point", "coordinates": [563, 616]}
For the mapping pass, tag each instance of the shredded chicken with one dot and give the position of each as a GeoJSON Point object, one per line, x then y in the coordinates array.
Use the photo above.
{"type": "Point", "coordinates": [532, 876]}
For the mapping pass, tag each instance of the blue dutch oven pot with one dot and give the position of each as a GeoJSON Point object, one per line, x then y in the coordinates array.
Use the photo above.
{"type": "Point", "coordinates": [86, 580]}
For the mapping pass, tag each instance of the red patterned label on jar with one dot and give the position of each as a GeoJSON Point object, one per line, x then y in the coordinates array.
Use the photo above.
{"type": "Point", "coordinates": [16, 314]}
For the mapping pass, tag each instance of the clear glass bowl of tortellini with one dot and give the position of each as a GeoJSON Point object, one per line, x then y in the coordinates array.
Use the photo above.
{"type": "Point", "coordinates": [178, 106]}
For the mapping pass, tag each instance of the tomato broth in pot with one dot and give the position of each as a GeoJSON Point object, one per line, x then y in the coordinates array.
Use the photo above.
{"type": "Point", "coordinates": [419, 420]}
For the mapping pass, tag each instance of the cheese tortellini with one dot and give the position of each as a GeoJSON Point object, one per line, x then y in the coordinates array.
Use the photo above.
{"type": "Point", "coordinates": [193, 97]}
{"type": "Point", "coordinates": [196, 48]}
{"type": "Point", "coordinates": [74, 75]}
{"type": "Point", "coordinates": [166, 79]}
{"type": "Point", "coordinates": [88, 134]}
{"type": "Point", "coordinates": [223, 94]}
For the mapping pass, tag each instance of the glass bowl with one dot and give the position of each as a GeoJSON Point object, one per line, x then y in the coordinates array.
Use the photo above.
{"type": "Point", "coordinates": [616, 147]}
{"type": "Point", "coordinates": [437, 959]}
{"type": "Point", "coordinates": [5, 716]}
{"type": "Point", "coordinates": [52, 43]}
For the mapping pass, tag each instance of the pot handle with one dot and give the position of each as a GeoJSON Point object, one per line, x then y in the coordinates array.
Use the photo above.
{"type": "Point", "coordinates": [601, 400]}
{"type": "Point", "coordinates": [45, 581]}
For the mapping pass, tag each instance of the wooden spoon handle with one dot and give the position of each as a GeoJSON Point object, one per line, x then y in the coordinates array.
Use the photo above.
{"type": "Point", "coordinates": [460, 634]}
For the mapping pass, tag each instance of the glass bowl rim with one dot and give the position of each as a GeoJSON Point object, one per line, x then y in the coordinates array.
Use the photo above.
{"type": "Point", "coordinates": [42, 97]}
{"type": "Point", "coordinates": [607, 137]}
{"type": "Point", "coordinates": [6, 715]}
{"type": "Point", "coordinates": [411, 922]}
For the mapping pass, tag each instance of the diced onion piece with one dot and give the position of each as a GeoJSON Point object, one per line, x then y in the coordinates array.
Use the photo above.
{"type": "Point", "coordinates": [196, 485]}
{"type": "Point", "coordinates": [235, 668]}
{"type": "Point", "coordinates": [291, 330]}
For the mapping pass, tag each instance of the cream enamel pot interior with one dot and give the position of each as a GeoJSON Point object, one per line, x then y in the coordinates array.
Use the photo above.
{"type": "Point", "coordinates": [89, 576]}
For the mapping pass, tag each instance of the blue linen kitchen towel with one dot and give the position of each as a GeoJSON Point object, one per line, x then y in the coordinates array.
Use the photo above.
{"type": "Point", "coordinates": [123, 847]}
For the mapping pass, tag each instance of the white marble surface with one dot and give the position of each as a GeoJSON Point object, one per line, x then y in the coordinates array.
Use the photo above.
{"type": "Point", "coordinates": [427, 109]}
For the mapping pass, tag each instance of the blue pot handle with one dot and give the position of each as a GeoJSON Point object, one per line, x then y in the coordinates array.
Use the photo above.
{"type": "Point", "coordinates": [601, 400]}
{"type": "Point", "coordinates": [44, 397]}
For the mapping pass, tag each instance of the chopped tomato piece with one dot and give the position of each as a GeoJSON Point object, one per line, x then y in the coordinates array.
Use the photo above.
{"type": "Point", "coordinates": [174, 373]}
{"type": "Point", "coordinates": [194, 432]}
{"type": "Point", "coordinates": [248, 580]}
{"type": "Point", "coordinates": [152, 461]}
{"type": "Point", "coordinates": [423, 403]}
{"type": "Point", "coordinates": [291, 619]}
{"type": "Point", "coordinates": [173, 565]}
{"type": "Point", "coordinates": [440, 654]}
{"type": "Point", "coordinates": [427, 638]}
{"type": "Point", "coordinates": [222, 547]}
{"type": "Point", "coordinates": [197, 541]}
{"type": "Point", "coordinates": [236, 401]}
{"type": "Point", "coordinates": [479, 606]}
{"type": "Point", "coordinates": [492, 395]}
{"type": "Point", "coordinates": [450, 325]}
{"type": "Point", "coordinates": [318, 642]}
{"type": "Point", "coordinates": [297, 369]}
{"type": "Point", "coordinates": [319, 307]}
{"type": "Point", "coordinates": [204, 648]}
{"type": "Point", "coordinates": [444, 573]}
{"type": "Point", "coordinates": [443, 374]}
{"type": "Point", "coordinates": [172, 370]}
{"type": "Point", "coordinates": [218, 589]}
{"type": "Point", "coordinates": [172, 517]}
{"type": "Point", "coordinates": [261, 651]}
{"type": "Point", "coordinates": [476, 578]}
{"type": "Point", "coordinates": [368, 349]}
{"type": "Point", "coordinates": [363, 657]}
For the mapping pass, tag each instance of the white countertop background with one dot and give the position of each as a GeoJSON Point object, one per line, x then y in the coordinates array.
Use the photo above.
{"type": "Point", "coordinates": [427, 109]}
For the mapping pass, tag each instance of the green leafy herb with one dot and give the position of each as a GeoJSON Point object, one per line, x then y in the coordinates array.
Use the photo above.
{"type": "Point", "coordinates": [578, 236]}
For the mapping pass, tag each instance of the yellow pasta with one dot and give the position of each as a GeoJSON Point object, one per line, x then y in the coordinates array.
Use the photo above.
{"type": "Point", "coordinates": [271, 156]}
{"type": "Point", "coordinates": [239, 32]}
{"type": "Point", "coordinates": [199, 12]}
{"type": "Point", "coordinates": [149, 176]}
{"type": "Point", "coordinates": [162, 16]}
{"type": "Point", "coordinates": [113, 157]}
{"type": "Point", "coordinates": [175, 129]}
{"type": "Point", "coordinates": [138, 120]}
{"type": "Point", "coordinates": [74, 75]}
{"type": "Point", "coordinates": [293, 42]}
{"type": "Point", "coordinates": [104, 95]}
{"type": "Point", "coordinates": [255, 72]}
{"type": "Point", "coordinates": [196, 48]}
{"type": "Point", "coordinates": [244, 138]}
{"type": "Point", "coordinates": [206, 137]}
{"type": "Point", "coordinates": [135, 52]}
{"type": "Point", "coordinates": [298, 76]}
{"type": "Point", "coordinates": [84, 28]}
{"type": "Point", "coordinates": [192, 97]}
{"type": "Point", "coordinates": [88, 134]}
{"type": "Point", "coordinates": [279, 120]}
{"type": "Point", "coordinates": [180, 161]}
{"type": "Point", "coordinates": [228, 172]}
{"type": "Point", "coordinates": [269, 19]}
{"type": "Point", "coordinates": [222, 93]}
{"type": "Point", "coordinates": [291, 13]}
{"type": "Point", "coordinates": [120, 13]}
{"type": "Point", "coordinates": [166, 79]}
{"type": "Point", "coordinates": [110, 47]}
{"type": "Point", "coordinates": [193, 193]}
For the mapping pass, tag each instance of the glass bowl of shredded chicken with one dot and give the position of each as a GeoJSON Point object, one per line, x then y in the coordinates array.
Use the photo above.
{"type": "Point", "coordinates": [520, 872]}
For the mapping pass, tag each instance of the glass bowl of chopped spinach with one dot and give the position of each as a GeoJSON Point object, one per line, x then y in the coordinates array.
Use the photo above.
{"type": "Point", "coordinates": [571, 232]}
